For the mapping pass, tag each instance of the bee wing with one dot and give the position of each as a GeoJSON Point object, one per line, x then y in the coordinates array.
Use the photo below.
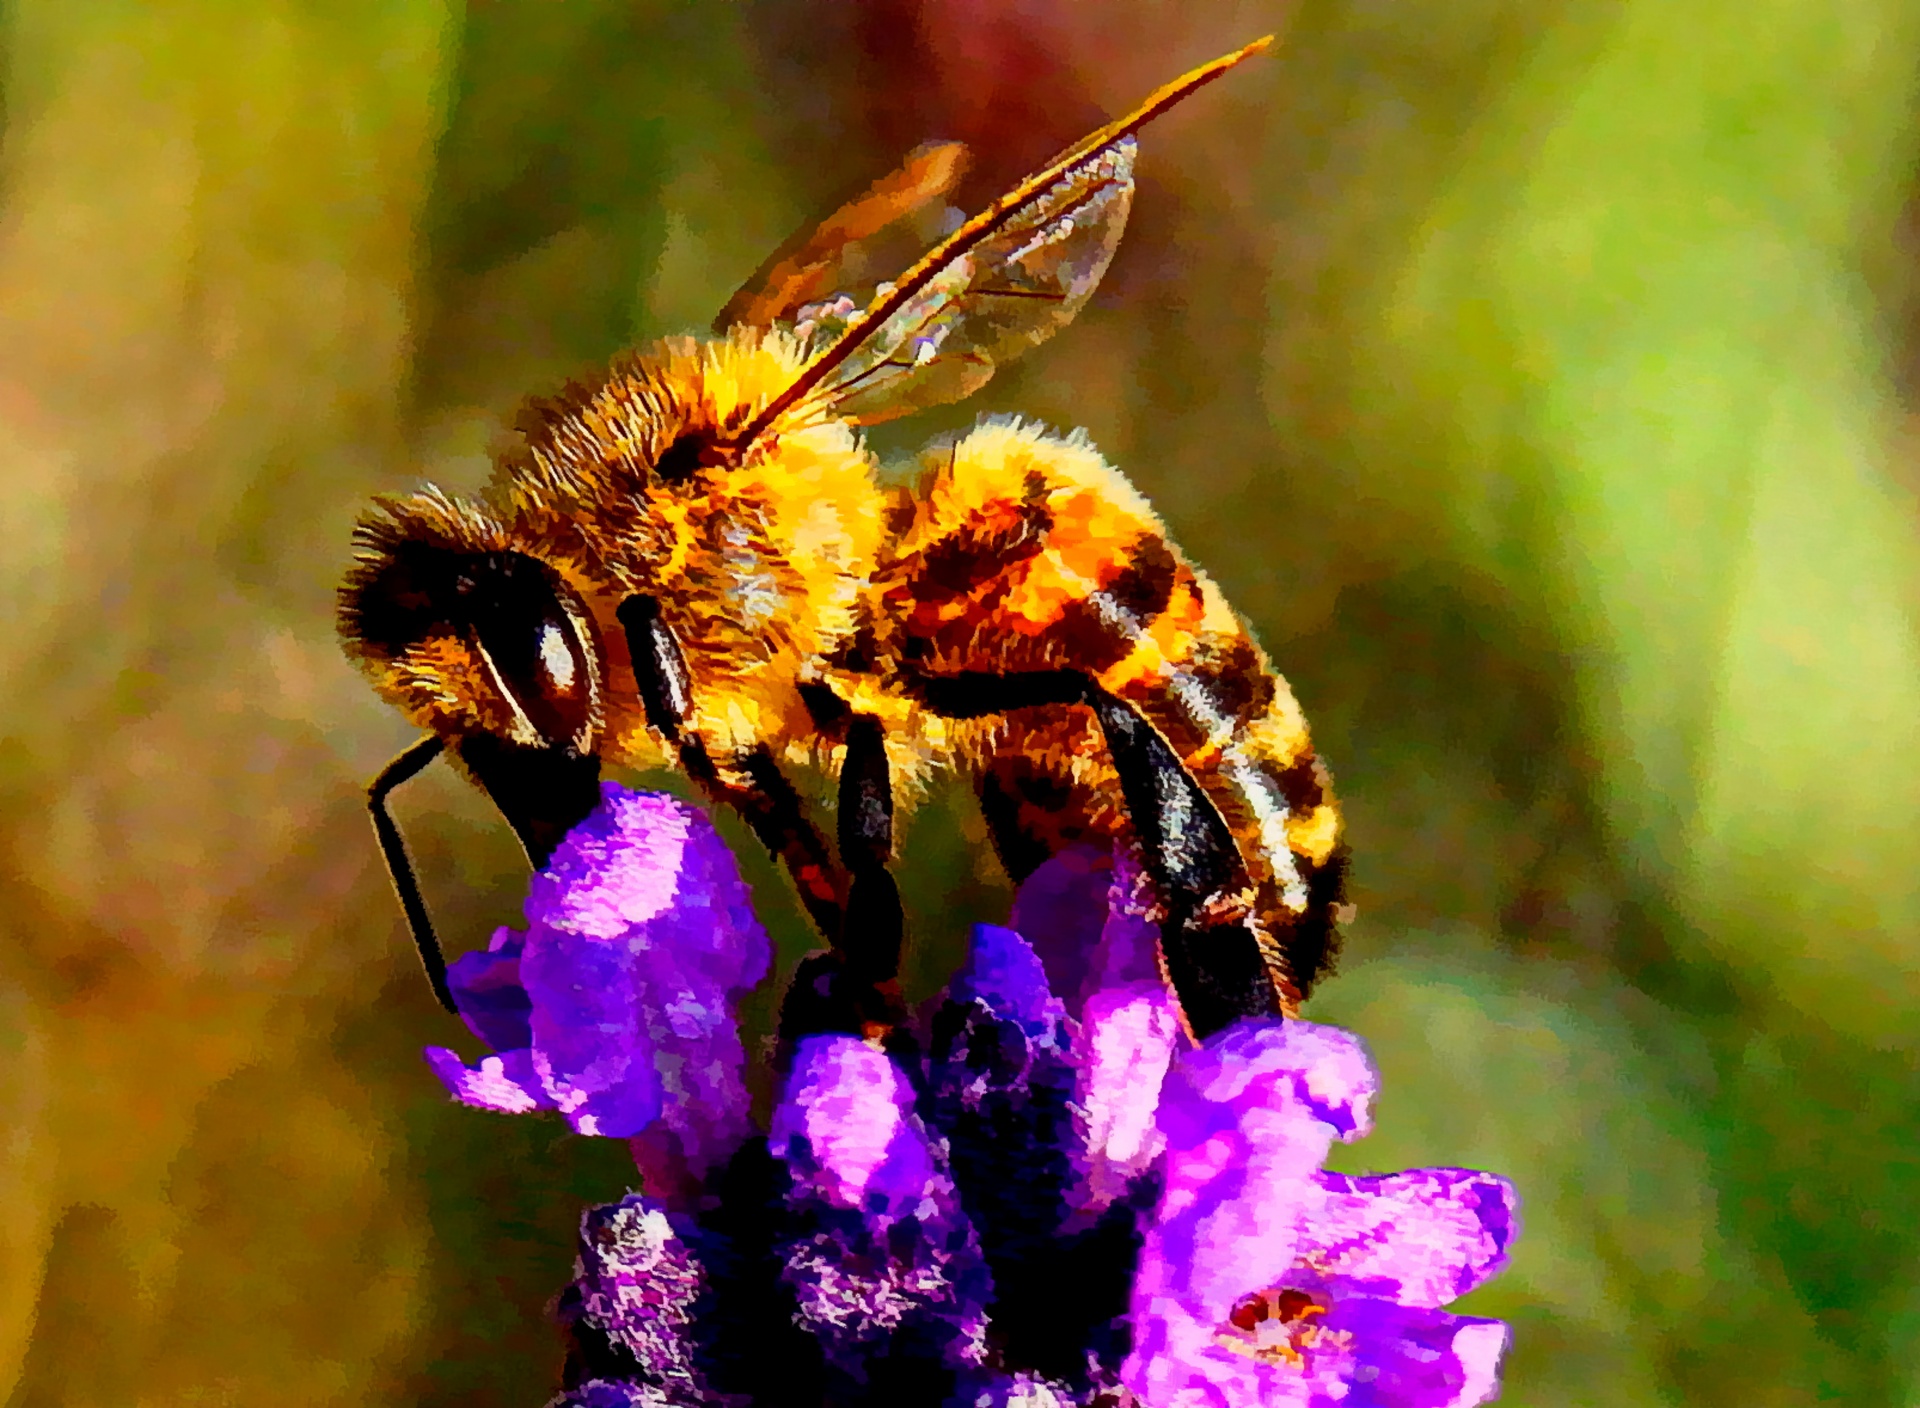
{"type": "Point", "coordinates": [988, 304]}
{"type": "Point", "coordinates": [1006, 279]}
{"type": "Point", "coordinates": [906, 207]}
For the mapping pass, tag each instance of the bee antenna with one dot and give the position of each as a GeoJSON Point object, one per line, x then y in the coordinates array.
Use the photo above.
{"type": "Point", "coordinates": [400, 866]}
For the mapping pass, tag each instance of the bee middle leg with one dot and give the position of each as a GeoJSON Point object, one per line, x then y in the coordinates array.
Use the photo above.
{"type": "Point", "coordinates": [1212, 959]}
{"type": "Point", "coordinates": [853, 988]}
{"type": "Point", "coordinates": [856, 905]}
{"type": "Point", "coordinates": [875, 922]}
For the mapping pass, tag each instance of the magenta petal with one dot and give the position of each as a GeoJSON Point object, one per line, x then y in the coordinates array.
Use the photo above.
{"type": "Point", "coordinates": [852, 1107]}
{"type": "Point", "coordinates": [1363, 1353]}
{"type": "Point", "coordinates": [505, 1083]}
{"type": "Point", "coordinates": [1247, 1117]}
{"type": "Point", "coordinates": [1244, 1141]}
{"type": "Point", "coordinates": [1324, 1070]}
{"type": "Point", "coordinates": [1421, 1238]}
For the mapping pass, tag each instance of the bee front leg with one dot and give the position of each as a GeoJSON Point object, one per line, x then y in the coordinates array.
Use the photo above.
{"type": "Point", "coordinates": [751, 784]}
{"type": "Point", "coordinates": [1211, 958]}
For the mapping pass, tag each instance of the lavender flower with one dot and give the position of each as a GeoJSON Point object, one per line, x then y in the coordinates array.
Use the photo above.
{"type": "Point", "coordinates": [1065, 1204]}
{"type": "Point", "coordinates": [616, 1006]}
{"type": "Point", "coordinates": [1264, 1280]}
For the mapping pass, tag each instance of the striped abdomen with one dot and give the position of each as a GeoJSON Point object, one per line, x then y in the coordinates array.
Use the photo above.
{"type": "Point", "coordinates": [1028, 552]}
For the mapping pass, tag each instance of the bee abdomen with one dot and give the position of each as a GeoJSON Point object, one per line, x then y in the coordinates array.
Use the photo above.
{"type": "Point", "coordinates": [1030, 553]}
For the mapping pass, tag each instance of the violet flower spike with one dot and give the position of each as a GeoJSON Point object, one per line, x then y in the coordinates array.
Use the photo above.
{"type": "Point", "coordinates": [1066, 1204]}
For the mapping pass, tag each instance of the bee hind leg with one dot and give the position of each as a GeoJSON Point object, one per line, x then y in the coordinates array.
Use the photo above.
{"type": "Point", "coordinates": [1212, 959]}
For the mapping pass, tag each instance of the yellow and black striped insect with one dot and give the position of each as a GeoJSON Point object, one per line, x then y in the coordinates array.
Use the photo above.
{"type": "Point", "coordinates": [691, 561]}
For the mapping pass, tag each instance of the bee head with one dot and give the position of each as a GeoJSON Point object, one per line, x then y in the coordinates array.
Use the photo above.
{"type": "Point", "coordinates": [467, 634]}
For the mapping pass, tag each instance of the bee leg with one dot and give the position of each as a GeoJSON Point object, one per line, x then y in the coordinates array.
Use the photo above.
{"type": "Point", "coordinates": [875, 922]}
{"type": "Point", "coordinates": [844, 989]}
{"type": "Point", "coordinates": [751, 784]}
{"type": "Point", "coordinates": [400, 866]}
{"type": "Point", "coordinates": [1214, 964]}
{"type": "Point", "coordinates": [542, 792]}
{"type": "Point", "coordinates": [852, 987]}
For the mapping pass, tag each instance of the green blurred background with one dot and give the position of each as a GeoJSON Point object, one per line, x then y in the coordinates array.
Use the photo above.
{"type": "Point", "coordinates": [1536, 374]}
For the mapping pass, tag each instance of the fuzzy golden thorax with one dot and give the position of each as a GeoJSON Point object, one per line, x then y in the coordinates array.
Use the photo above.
{"type": "Point", "coordinates": [620, 486]}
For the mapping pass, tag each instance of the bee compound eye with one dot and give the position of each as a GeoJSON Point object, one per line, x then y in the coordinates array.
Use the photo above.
{"type": "Point", "coordinates": [534, 644]}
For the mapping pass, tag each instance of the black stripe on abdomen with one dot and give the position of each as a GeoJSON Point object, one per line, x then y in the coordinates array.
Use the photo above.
{"type": "Point", "coordinates": [1101, 628]}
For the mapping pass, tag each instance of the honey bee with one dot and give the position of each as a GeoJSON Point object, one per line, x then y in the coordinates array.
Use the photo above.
{"type": "Point", "coordinates": [691, 561]}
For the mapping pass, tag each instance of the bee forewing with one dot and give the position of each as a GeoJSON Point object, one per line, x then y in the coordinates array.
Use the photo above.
{"type": "Point", "coordinates": [904, 208]}
{"type": "Point", "coordinates": [1010, 292]}
{"type": "Point", "coordinates": [1003, 281]}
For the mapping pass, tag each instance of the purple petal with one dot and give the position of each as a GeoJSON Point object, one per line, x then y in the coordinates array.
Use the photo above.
{"type": "Point", "coordinates": [486, 989]}
{"type": "Point", "coordinates": [698, 1058]}
{"type": "Point", "coordinates": [918, 1289]}
{"type": "Point", "coordinates": [1060, 910]}
{"type": "Point", "coordinates": [641, 937]}
{"type": "Point", "coordinates": [876, 1251]}
{"type": "Point", "coordinates": [589, 1041]}
{"type": "Point", "coordinates": [1406, 1357]}
{"type": "Point", "coordinates": [1017, 1390]}
{"type": "Point", "coordinates": [1129, 947]}
{"type": "Point", "coordinates": [505, 1083]}
{"type": "Point", "coordinates": [1086, 914]}
{"type": "Point", "coordinates": [852, 1106]}
{"type": "Point", "coordinates": [1003, 970]}
{"type": "Point", "coordinates": [1421, 1238]}
{"type": "Point", "coordinates": [1128, 1037]}
{"type": "Point", "coordinates": [620, 1393]}
{"type": "Point", "coordinates": [618, 868]}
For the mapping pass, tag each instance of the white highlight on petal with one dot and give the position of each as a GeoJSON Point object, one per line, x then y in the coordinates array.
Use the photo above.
{"type": "Point", "coordinates": [1129, 1035]}
{"type": "Point", "coordinates": [490, 1087]}
{"type": "Point", "coordinates": [1478, 1346]}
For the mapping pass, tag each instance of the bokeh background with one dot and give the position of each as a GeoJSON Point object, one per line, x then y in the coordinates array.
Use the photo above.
{"type": "Point", "coordinates": [1536, 374]}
